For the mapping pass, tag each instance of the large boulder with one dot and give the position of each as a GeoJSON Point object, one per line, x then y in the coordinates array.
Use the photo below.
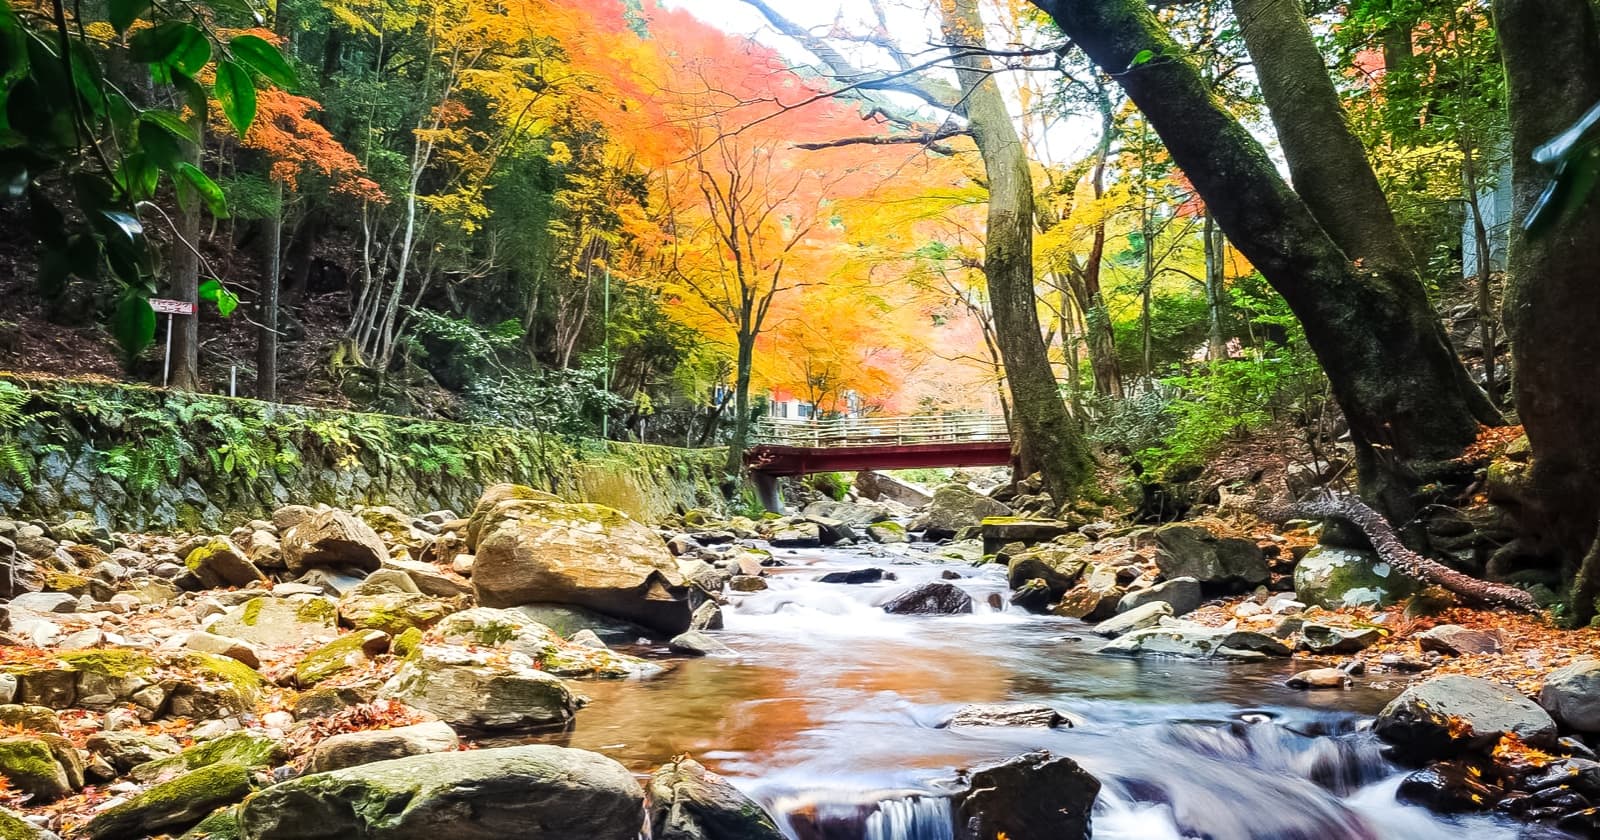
{"type": "Point", "coordinates": [933, 598]}
{"type": "Point", "coordinates": [1226, 564]}
{"type": "Point", "coordinates": [1059, 566]}
{"type": "Point", "coordinates": [850, 513]}
{"type": "Point", "coordinates": [275, 622]}
{"type": "Point", "coordinates": [481, 689]}
{"type": "Point", "coordinates": [333, 539]}
{"type": "Point", "coordinates": [1095, 598]}
{"type": "Point", "coordinates": [999, 531]}
{"type": "Point", "coordinates": [219, 563]}
{"type": "Point", "coordinates": [514, 631]}
{"type": "Point", "coordinates": [881, 487]}
{"type": "Point", "coordinates": [349, 749]}
{"type": "Point", "coordinates": [500, 501]}
{"type": "Point", "coordinates": [1036, 796]}
{"type": "Point", "coordinates": [689, 802]}
{"type": "Point", "coordinates": [1139, 618]}
{"type": "Point", "coordinates": [175, 804]}
{"type": "Point", "coordinates": [1572, 695]}
{"type": "Point", "coordinates": [531, 792]}
{"type": "Point", "coordinates": [1181, 594]}
{"type": "Point", "coordinates": [954, 507]}
{"type": "Point", "coordinates": [14, 827]}
{"type": "Point", "coordinates": [1446, 716]}
{"type": "Point", "coordinates": [584, 555]}
{"type": "Point", "coordinates": [1331, 578]}
{"type": "Point", "coordinates": [30, 765]}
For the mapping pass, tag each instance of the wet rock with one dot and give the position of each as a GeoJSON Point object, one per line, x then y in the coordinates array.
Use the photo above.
{"type": "Point", "coordinates": [887, 533]}
{"type": "Point", "coordinates": [1058, 566]}
{"type": "Point", "coordinates": [697, 643]}
{"type": "Point", "coordinates": [1455, 640]}
{"type": "Point", "coordinates": [1026, 715]}
{"type": "Point", "coordinates": [482, 689]}
{"type": "Point", "coordinates": [832, 531]}
{"type": "Point", "coordinates": [797, 535]}
{"type": "Point", "coordinates": [1332, 577]}
{"type": "Point", "coordinates": [855, 576]}
{"type": "Point", "coordinates": [1319, 678]}
{"type": "Point", "coordinates": [1138, 618]}
{"type": "Point", "coordinates": [173, 805]}
{"type": "Point", "coordinates": [707, 616]}
{"type": "Point", "coordinates": [688, 802]}
{"type": "Point", "coordinates": [582, 555]}
{"type": "Point", "coordinates": [272, 621]}
{"type": "Point", "coordinates": [392, 612]}
{"type": "Point", "coordinates": [1227, 564]}
{"type": "Point", "coordinates": [514, 631]}
{"type": "Point", "coordinates": [1446, 716]}
{"type": "Point", "coordinates": [1321, 638]}
{"type": "Point", "coordinates": [332, 539]}
{"type": "Point", "coordinates": [1095, 598]}
{"type": "Point", "coordinates": [1035, 796]}
{"type": "Point", "coordinates": [350, 749]}
{"type": "Point", "coordinates": [219, 564]}
{"type": "Point", "coordinates": [747, 583]}
{"type": "Point", "coordinates": [1181, 594]}
{"type": "Point", "coordinates": [1572, 695]}
{"type": "Point", "coordinates": [850, 513]}
{"type": "Point", "coordinates": [1448, 787]}
{"type": "Point", "coordinates": [1174, 638]}
{"type": "Point", "coordinates": [933, 598]}
{"type": "Point", "coordinates": [954, 507]}
{"type": "Point", "coordinates": [1002, 530]}
{"type": "Point", "coordinates": [528, 792]}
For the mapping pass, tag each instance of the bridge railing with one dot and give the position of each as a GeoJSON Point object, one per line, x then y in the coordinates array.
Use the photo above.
{"type": "Point", "coordinates": [880, 431]}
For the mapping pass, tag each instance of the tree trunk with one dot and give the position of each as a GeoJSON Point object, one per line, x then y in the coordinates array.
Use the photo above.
{"type": "Point", "coordinates": [185, 371]}
{"type": "Point", "coordinates": [267, 334]}
{"type": "Point", "coordinates": [1480, 241]}
{"type": "Point", "coordinates": [1378, 339]}
{"type": "Point", "coordinates": [1551, 52]}
{"type": "Point", "coordinates": [1216, 265]}
{"type": "Point", "coordinates": [741, 405]}
{"type": "Point", "coordinates": [1049, 436]}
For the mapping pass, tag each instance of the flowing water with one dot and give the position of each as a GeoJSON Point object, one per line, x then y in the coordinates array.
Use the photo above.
{"type": "Point", "coordinates": [829, 715]}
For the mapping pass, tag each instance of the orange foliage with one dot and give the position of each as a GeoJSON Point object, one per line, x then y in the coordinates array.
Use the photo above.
{"type": "Point", "coordinates": [286, 133]}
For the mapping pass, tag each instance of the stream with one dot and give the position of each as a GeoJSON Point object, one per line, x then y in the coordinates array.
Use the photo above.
{"type": "Point", "coordinates": [829, 716]}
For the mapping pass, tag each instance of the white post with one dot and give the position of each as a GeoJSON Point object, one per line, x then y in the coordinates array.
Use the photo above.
{"type": "Point", "coordinates": [233, 380]}
{"type": "Point", "coordinates": [166, 358]}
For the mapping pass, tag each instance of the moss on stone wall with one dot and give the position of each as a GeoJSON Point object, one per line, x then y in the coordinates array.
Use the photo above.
{"type": "Point", "coordinates": [137, 458]}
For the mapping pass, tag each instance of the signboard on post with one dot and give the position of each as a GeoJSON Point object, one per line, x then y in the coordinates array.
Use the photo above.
{"type": "Point", "coordinates": [171, 308]}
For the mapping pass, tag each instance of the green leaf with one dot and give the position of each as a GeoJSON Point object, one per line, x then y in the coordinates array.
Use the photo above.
{"type": "Point", "coordinates": [86, 77]}
{"type": "Point", "coordinates": [123, 13]}
{"type": "Point", "coordinates": [13, 46]}
{"type": "Point", "coordinates": [193, 52]}
{"type": "Point", "coordinates": [212, 290]}
{"type": "Point", "coordinates": [236, 93]}
{"type": "Point", "coordinates": [173, 123]}
{"type": "Point", "coordinates": [174, 44]}
{"type": "Point", "coordinates": [254, 52]}
{"type": "Point", "coordinates": [134, 323]}
{"type": "Point", "coordinates": [1143, 57]}
{"type": "Point", "coordinates": [190, 175]}
{"type": "Point", "coordinates": [137, 176]}
{"type": "Point", "coordinates": [159, 146]}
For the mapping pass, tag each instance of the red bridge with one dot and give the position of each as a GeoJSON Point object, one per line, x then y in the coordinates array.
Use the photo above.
{"type": "Point", "coordinates": [802, 447]}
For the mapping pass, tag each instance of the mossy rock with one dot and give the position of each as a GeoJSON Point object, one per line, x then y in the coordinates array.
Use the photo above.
{"type": "Point", "coordinates": [247, 749]}
{"type": "Point", "coordinates": [223, 824]}
{"type": "Point", "coordinates": [14, 827]}
{"type": "Point", "coordinates": [30, 765]}
{"type": "Point", "coordinates": [1340, 577]}
{"type": "Point", "coordinates": [111, 663]}
{"type": "Point", "coordinates": [348, 651]}
{"type": "Point", "coordinates": [272, 621]}
{"type": "Point", "coordinates": [241, 677]}
{"type": "Point", "coordinates": [176, 804]}
{"type": "Point", "coordinates": [65, 582]}
{"type": "Point", "coordinates": [33, 718]}
{"type": "Point", "coordinates": [407, 642]}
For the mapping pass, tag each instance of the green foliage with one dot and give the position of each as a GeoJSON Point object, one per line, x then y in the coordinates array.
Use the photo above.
{"type": "Point", "coordinates": [834, 485]}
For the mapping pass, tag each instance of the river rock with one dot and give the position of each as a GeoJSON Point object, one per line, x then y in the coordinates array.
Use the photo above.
{"type": "Point", "coordinates": [797, 535]}
{"type": "Point", "coordinates": [236, 649]}
{"type": "Point", "coordinates": [514, 631]}
{"type": "Point", "coordinates": [854, 576]}
{"type": "Point", "coordinates": [1321, 638]}
{"type": "Point", "coordinates": [933, 598]}
{"type": "Point", "coordinates": [954, 507]}
{"type": "Point", "coordinates": [244, 748]}
{"type": "Point", "coordinates": [271, 621]}
{"type": "Point", "coordinates": [126, 749]}
{"type": "Point", "coordinates": [332, 539]}
{"type": "Point", "coordinates": [219, 563]}
{"type": "Point", "coordinates": [1446, 716]}
{"type": "Point", "coordinates": [14, 827]}
{"type": "Point", "coordinates": [1059, 566]}
{"type": "Point", "coordinates": [1317, 678]}
{"type": "Point", "coordinates": [584, 555]}
{"type": "Point", "coordinates": [352, 650]}
{"type": "Point", "coordinates": [1455, 640]}
{"type": "Point", "coordinates": [887, 533]}
{"type": "Point", "coordinates": [707, 616]}
{"type": "Point", "coordinates": [860, 514]}
{"type": "Point", "coordinates": [349, 749]}
{"type": "Point", "coordinates": [1036, 796]}
{"type": "Point", "coordinates": [1138, 618]}
{"type": "Point", "coordinates": [1448, 787]}
{"type": "Point", "coordinates": [430, 579]}
{"type": "Point", "coordinates": [392, 612]}
{"type": "Point", "coordinates": [1181, 594]}
{"type": "Point", "coordinates": [1095, 598]}
{"type": "Point", "coordinates": [531, 792]}
{"type": "Point", "coordinates": [1228, 564]}
{"type": "Point", "coordinates": [1025, 715]}
{"type": "Point", "coordinates": [1572, 695]}
{"type": "Point", "coordinates": [1331, 578]}
{"type": "Point", "coordinates": [29, 763]}
{"type": "Point", "coordinates": [688, 802]}
{"type": "Point", "coordinates": [1196, 642]}
{"type": "Point", "coordinates": [1004, 530]}
{"type": "Point", "coordinates": [481, 689]}
{"type": "Point", "coordinates": [173, 805]}
{"type": "Point", "coordinates": [697, 643]}
{"type": "Point", "coordinates": [881, 487]}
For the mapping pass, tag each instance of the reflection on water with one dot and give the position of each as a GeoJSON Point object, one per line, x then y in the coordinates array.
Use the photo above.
{"type": "Point", "coordinates": [830, 711]}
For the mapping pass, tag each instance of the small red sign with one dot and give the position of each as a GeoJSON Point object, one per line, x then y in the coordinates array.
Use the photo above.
{"type": "Point", "coordinates": [172, 307]}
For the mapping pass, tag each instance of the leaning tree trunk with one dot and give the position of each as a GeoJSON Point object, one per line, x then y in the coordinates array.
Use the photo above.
{"type": "Point", "coordinates": [1328, 164]}
{"type": "Point", "coordinates": [1551, 52]}
{"type": "Point", "coordinates": [1049, 436]}
{"type": "Point", "coordinates": [1374, 332]}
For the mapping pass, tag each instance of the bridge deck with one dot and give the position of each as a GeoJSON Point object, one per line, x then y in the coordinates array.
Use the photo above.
{"type": "Point", "coordinates": [801, 447]}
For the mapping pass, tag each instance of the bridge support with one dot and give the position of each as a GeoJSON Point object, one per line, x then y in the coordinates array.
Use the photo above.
{"type": "Point", "coordinates": [768, 491]}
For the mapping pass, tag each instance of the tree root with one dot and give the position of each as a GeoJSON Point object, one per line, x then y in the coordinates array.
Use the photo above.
{"type": "Point", "coordinates": [1411, 564]}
